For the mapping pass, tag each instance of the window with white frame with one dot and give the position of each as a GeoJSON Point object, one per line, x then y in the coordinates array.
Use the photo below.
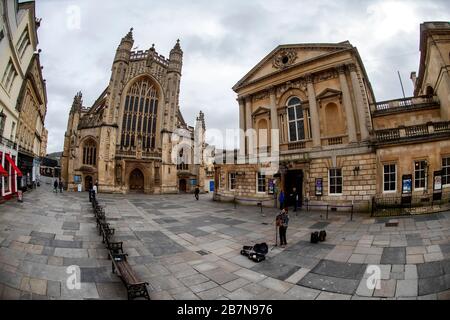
{"type": "Point", "coordinates": [297, 117]}
{"type": "Point", "coordinates": [262, 186]}
{"type": "Point", "coordinates": [420, 168]}
{"type": "Point", "coordinates": [336, 181]}
{"type": "Point", "coordinates": [446, 171]}
{"type": "Point", "coordinates": [390, 178]}
{"type": "Point", "coordinates": [232, 180]}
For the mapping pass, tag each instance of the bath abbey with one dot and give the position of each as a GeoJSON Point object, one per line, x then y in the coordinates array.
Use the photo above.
{"type": "Point", "coordinates": [128, 140]}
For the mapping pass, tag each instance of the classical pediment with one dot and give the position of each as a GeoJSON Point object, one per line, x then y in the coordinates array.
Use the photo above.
{"type": "Point", "coordinates": [260, 110]}
{"type": "Point", "coordinates": [288, 56]}
{"type": "Point", "coordinates": [328, 93]}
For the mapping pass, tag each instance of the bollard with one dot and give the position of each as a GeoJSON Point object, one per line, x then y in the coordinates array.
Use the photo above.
{"type": "Point", "coordinates": [351, 217]}
{"type": "Point", "coordinates": [327, 210]}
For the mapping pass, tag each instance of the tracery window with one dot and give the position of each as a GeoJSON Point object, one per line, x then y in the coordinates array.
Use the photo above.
{"type": "Point", "coordinates": [90, 153]}
{"type": "Point", "coordinates": [139, 118]}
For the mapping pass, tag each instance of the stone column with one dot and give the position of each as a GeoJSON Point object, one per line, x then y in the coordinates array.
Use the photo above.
{"type": "Point", "coordinates": [242, 127]}
{"type": "Point", "coordinates": [360, 106]}
{"type": "Point", "coordinates": [315, 125]}
{"type": "Point", "coordinates": [275, 140]}
{"type": "Point", "coordinates": [347, 106]}
{"type": "Point", "coordinates": [249, 126]}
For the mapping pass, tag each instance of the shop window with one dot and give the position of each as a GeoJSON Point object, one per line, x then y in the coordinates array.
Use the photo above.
{"type": "Point", "coordinates": [262, 185]}
{"type": "Point", "coordinates": [420, 181]}
{"type": "Point", "coordinates": [232, 179]}
{"type": "Point", "coordinates": [446, 171]}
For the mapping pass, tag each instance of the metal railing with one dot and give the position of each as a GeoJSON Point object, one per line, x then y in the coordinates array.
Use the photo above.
{"type": "Point", "coordinates": [386, 206]}
{"type": "Point", "coordinates": [330, 207]}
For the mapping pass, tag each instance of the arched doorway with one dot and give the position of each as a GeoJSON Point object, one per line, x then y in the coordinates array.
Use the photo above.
{"type": "Point", "coordinates": [183, 185]}
{"type": "Point", "coordinates": [87, 182]}
{"type": "Point", "coordinates": [137, 181]}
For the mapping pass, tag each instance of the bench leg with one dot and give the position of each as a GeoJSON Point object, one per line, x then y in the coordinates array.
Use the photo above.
{"type": "Point", "coordinates": [137, 291]}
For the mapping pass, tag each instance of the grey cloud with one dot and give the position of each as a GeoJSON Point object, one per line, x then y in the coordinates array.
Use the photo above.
{"type": "Point", "coordinates": [222, 41]}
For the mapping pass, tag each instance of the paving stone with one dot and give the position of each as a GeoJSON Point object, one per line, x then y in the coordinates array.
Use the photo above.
{"type": "Point", "coordinates": [411, 272]}
{"type": "Point", "coordinates": [297, 276]}
{"type": "Point", "coordinates": [393, 256]}
{"type": "Point", "coordinates": [213, 294]}
{"type": "Point", "coordinates": [329, 284]}
{"type": "Point", "coordinates": [220, 276]}
{"type": "Point", "coordinates": [111, 291]}
{"type": "Point", "coordinates": [387, 289]}
{"type": "Point", "coordinates": [407, 288]}
{"type": "Point", "coordinates": [250, 275]}
{"type": "Point", "coordinates": [204, 286]}
{"type": "Point", "coordinates": [54, 289]}
{"type": "Point", "coordinates": [333, 296]}
{"type": "Point", "coordinates": [430, 269]}
{"type": "Point", "coordinates": [276, 285]}
{"type": "Point", "coordinates": [303, 293]}
{"type": "Point", "coordinates": [340, 270]}
{"type": "Point", "coordinates": [274, 269]}
{"type": "Point", "coordinates": [433, 285]}
{"type": "Point", "coordinates": [235, 284]}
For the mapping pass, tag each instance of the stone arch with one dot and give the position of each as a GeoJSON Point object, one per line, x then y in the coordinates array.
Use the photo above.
{"type": "Point", "coordinates": [282, 102]}
{"type": "Point", "coordinates": [136, 180]}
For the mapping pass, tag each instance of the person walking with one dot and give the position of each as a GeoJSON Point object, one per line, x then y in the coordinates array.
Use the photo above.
{"type": "Point", "coordinates": [283, 228]}
{"type": "Point", "coordinates": [55, 186]}
{"type": "Point", "coordinates": [197, 193]}
{"type": "Point", "coordinates": [61, 186]}
{"type": "Point", "coordinates": [281, 199]}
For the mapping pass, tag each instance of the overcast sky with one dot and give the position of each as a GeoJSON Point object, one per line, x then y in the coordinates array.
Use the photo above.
{"type": "Point", "coordinates": [222, 41]}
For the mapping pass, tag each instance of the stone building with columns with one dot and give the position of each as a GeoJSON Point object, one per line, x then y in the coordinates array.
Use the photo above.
{"type": "Point", "coordinates": [333, 142]}
{"type": "Point", "coordinates": [134, 137]}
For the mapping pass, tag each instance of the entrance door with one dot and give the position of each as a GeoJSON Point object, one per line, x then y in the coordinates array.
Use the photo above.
{"type": "Point", "coordinates": [87, 182]}
{"type": "Point", "coordinates": [183, 185]}
{"type": "Point", "coordinates": [137, 181]}
{"type": "Point", "coordinates": [294, 179]}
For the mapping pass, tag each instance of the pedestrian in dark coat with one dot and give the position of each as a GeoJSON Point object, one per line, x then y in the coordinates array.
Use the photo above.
{"type": "Point", "coordinates": [61, 186]}
{"type": "Point", "coordinates": [281, 199]}
{"type": "Point", "coordinates": [197, 193]}
{"type": "Point", "coordinates": [284, 224]}
{"type": "Point", "coordinates": [55, 186]}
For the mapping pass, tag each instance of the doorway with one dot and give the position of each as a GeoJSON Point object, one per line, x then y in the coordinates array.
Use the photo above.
{"type": "Point", "coordinates": [294, 179]}
{"type": "Point", "coordinates": [183, 185]}
{"type": "Point", "coordinates": [137, 181]}
{"type": "Point", "coordinates": [88, 181]}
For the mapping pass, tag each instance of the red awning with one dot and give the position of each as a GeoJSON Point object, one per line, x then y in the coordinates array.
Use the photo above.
{"type": "Point", "coordinates": [13, 165]}
{"type": "Point", "coordinates": [3, 171]}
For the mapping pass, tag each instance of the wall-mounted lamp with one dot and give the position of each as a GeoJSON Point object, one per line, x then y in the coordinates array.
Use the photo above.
{"type": "Point", "coordinates": [356, 171]}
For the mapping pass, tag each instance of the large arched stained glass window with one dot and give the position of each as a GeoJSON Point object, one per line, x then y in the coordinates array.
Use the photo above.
{"type": "Point", "coordinates": [90, 153]}
{"type": "Point", "coordinates": [139, 118]}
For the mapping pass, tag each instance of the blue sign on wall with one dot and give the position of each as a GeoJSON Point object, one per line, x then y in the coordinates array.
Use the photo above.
{"type": "Point", "coordinates": [193, 182]}
{"type": "Point", "coordinates": [211, 186]}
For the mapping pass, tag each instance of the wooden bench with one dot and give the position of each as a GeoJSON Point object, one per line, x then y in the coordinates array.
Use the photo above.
{"type": "Point", "coordinates": [135, 287]}
{"type": "Point", "coordinates": [113, 247]}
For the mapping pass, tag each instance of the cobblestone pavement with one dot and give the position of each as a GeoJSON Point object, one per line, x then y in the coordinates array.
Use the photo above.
{"type": "Point", "coordinates": [189, 249]}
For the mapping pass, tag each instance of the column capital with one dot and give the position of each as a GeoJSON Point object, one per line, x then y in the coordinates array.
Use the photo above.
{"type": "Point", "coordinates": [351, 67]}
{"type": "Point", "coordinates": [341, 69]}
{"type": "Point", "coordinates": [272, 90]}
{"type": "Point", "coordinates": [309, 78]}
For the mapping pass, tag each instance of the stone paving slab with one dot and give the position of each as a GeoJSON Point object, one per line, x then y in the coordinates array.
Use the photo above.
{"type": "Point", "coordinates": [189, 249]}
{"type": "Point", "coordinates": [329, 284]}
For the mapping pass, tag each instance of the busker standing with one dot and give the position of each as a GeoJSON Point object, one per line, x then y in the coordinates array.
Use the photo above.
{"type": "Point", "coordinates": [61, 186]}
{"type": "Point", "coordinates": [278, 224]}
{"type": "Point", "coordinates": [284, 226]}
